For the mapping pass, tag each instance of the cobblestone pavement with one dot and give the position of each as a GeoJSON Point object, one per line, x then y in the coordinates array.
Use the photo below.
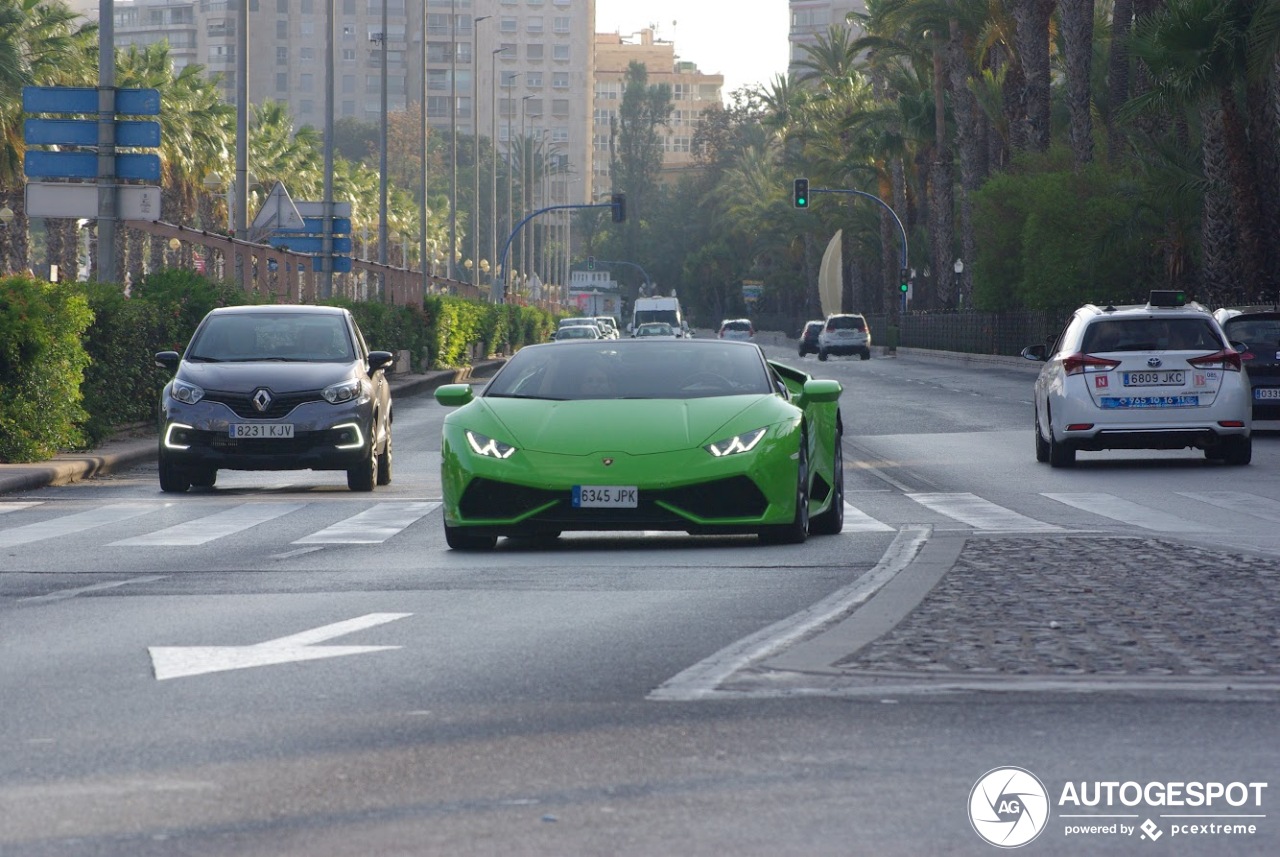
{"type": "Point", "coordinates": [1090, 606]}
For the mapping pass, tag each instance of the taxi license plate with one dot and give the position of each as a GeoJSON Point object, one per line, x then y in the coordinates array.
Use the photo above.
{"type": "Point", "coordinates": [1266, 393]}
{"type": "Point", "coordinates": [1167, 378]}
{"type": "Point", "coordinates": [605, 497]}
{"type": "Point", "coordinates": [1151, 402]}
{"type": "Point", "coordinates": [262, 430]}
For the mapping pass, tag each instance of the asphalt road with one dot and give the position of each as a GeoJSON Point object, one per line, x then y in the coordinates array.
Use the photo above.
{"type": "Point", "coordinates": [167, 689]}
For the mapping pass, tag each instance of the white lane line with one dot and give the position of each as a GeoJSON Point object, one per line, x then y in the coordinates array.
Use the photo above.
{"type": "Point", "coordinates": [15, 506]}
{"type": "Point", "coordinates": [1239, 502]}
{"type": "Point", "coordinates": [1128, 512]}
{"type": "Point", "coordinates": [858, 521]}
{"type": "Point", "coordinates": [216, 526]}
{"type": "Point", "coordinates": [299, 552]}
{"type": "Point", "coordinates": [981, 514]}
{"type": "Point", "coordinates": [64, 594]}
{"type": "Point", "coordinates": [701, 680]}
{"type": "Point", "coordinates": [372, 526]}
{"type": "Point", "coordinates": [71, 524]}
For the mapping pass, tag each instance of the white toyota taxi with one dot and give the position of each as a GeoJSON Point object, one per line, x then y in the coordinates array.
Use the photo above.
{"type": "Point", "coordinates": [1155, 376]}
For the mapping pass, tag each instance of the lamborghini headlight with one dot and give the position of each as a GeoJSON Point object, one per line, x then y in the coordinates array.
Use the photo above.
{"type": "Point", "coordinates": [744, 442]}
{"type": "Point", "coordinates": [489, 447]}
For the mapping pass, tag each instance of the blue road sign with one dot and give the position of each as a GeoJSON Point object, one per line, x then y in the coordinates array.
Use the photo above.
{"type": "Point", "coordinates": [309, 243]}
{"type": "Point", "coordinates": [138, 102]}
{"type": "Point", "coordinates": [84, 165]}
{"type": "Point", "coordinates": [315, 226]}
{"type": "Point", "coordinates": [84, 99]}
{"type": "Point", "coordinates": [84, 132]}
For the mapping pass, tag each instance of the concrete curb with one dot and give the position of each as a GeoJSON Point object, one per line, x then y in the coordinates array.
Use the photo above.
{"type": "Point", "coordinates": [128, 450]}
{"type": "Point", "coordinates": [1031, 366]}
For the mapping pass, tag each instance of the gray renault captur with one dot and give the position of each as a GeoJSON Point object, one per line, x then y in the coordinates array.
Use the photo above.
{"type": "Point", "coordinates": [275, 388]}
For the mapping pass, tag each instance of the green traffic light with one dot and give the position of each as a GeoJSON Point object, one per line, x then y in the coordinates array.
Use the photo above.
{"type": "Point", "coordinates": [800, 194]}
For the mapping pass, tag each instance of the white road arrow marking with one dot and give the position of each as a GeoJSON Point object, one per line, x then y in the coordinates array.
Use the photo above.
{"type": "Point", "coordinates": [180, 661]}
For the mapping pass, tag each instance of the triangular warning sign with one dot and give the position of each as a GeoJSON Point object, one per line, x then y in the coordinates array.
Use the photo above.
{"type": "Point", "coordinates": [278, 213]}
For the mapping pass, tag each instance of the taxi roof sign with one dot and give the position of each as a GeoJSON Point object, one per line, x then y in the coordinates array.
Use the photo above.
{"type": "Point", "coordinates": [1167, 298]}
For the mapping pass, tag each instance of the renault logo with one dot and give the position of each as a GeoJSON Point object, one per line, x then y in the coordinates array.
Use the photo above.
{"type": "Point", "coordinates": [261, 399]}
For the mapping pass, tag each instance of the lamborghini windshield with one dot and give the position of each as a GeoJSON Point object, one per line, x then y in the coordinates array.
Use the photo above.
{"type": "Point", "coordinates": [636, 369]}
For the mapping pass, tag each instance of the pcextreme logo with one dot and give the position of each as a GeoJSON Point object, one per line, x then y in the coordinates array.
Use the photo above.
{"type": "Point", "coordinates": [1008, 807]}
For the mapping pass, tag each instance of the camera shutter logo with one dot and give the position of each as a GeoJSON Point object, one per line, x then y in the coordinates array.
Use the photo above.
{"type": "Point", "coordinates": [1008, 807]}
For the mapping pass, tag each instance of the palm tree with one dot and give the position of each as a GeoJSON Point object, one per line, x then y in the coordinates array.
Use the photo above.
{"type": "Point", "coordinates": [1077, 33]}
{"type": "Point", "coordinates": [832, 56]}
{"type": "Point", "coordinates": [1032, 21]}
{"type": "Point", "coordinates": [1198, 55]}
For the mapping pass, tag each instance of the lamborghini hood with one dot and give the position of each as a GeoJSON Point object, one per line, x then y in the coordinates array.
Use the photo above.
{"type": "Point", "coordinates": [634, 426]}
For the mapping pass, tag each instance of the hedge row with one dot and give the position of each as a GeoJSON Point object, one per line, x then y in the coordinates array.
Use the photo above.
{"type": "Point", "coordinates": [76, 358]}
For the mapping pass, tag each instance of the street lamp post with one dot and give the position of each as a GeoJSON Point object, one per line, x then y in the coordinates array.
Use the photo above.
{"type": "Point", "coordinates": [383, 237]}
{"type": "Point", "coordinates": [475, 137]}
{"type": "Point", "coordinates": [493, 150]}
{"type": "Point", "coordinates": [498, 291]}
{"type": "Point", "coordinates": [958, 268]}
{"type": "Point", "coordinates": [524, 179]}
{"type": "Point", "coordinates": [453, 135]}
{"type": "Point", "coordinates": [423, 144]}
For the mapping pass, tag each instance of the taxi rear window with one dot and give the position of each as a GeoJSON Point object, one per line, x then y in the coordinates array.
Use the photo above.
{"type": "Point", "coordinates": [1150, 334]}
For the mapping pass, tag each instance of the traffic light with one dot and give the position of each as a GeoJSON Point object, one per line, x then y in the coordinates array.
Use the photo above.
{"type": "Point", "coordinates": [904, 280]}
{"type": "Point", "coordinates": [619, 203]}
{"type": "Point", "coordinates": [802, 193]}
{"type": "Point", "coordinates": [591, 263]}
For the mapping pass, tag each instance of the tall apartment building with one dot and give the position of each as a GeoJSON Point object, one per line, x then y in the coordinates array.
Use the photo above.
{"type": "Point", "coordinates": [692, 92]}
{"type": "Point", "coordinates": [811, 17]}
{"type": "Point", "coordinates": [488, 63]}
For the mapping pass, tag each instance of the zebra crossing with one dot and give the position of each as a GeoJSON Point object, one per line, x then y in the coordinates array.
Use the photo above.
{"type": "Point", "coordinates": [382, 521]}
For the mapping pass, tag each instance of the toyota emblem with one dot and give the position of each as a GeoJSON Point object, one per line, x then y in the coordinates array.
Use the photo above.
{"type": "Point", "coordinates": [1154, 362]}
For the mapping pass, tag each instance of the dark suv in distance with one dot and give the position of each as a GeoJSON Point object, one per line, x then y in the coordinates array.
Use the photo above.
{"type": "Point", "coordinates": [275, 388]}
{"type": "Point", "coordinates": [1259, 333]}
{"type": "Point", "coordinates": [809, 337]}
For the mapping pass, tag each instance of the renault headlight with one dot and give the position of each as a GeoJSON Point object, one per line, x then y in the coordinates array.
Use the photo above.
{"type": "Point", "coordinates": [345, 391]}
{"type": "Point", "coordinates": [744, 442]}
{"type": "Point", "coordinates": [186, 393]}
{"type": "Point", "coordinates": [488, 447]}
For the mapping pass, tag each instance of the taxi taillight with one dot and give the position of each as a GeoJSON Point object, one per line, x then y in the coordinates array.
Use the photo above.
{"type": "Point", "coordinates": [1078, 364]}
{"type": "Point", "coordinates": [1228, 359]}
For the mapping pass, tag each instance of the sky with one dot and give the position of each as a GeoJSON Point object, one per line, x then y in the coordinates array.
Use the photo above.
{"type": "Point", "coordinates": [745, 40]}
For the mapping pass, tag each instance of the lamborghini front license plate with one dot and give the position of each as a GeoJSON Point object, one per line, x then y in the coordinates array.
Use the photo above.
{"type": "Point", "coordinates": [605, 497]}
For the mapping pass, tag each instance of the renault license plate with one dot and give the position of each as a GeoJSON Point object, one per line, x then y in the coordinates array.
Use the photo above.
{"type": "Point", "coordinates": [270, 431]}
{"type": "Point", "coordinates": [605, 497]}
